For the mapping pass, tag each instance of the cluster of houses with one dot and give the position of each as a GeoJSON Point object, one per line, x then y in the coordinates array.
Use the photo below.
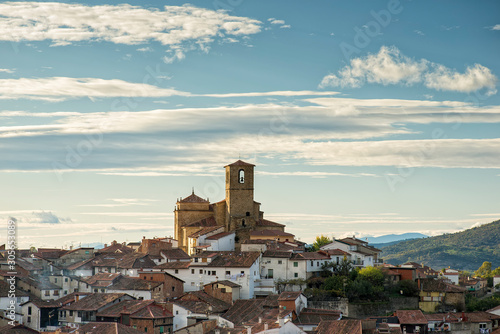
{"type": "Point", "coordinates": [155, 287]}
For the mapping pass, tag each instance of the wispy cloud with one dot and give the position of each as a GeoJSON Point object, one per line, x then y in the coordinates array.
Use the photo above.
{"type": "Point", "coordinates": [496, 27]}
{"type": "Point", "coordinates": [6, 70]}
{"type": "Point", "coordinates": [121, 202]}
{"type": "Point", "coordinates": [282, 24]}
{"type": "Point", "coordinates": [61, 88]}
{"type": "Point", "coordinates": [389, 66]}
{"type": "Point", "coordinates": [180, 28]}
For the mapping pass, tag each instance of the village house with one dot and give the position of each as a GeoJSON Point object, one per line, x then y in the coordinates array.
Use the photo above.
{"type": "Point", "coordinates": [283, 265]}
{"type": "Point", "coordinates": [39, 314]}
{"type": "Point", "coordinates": [309, 318]}
{"type": "Point", "coordinates": [361, 254]}
{"type": "Point", "coordinates": [436, 295]}
{"type": "Point", "coordinates": [85, 309]}
{"type": "Point", "coordinates": [138, 288]}
{"type": "Point", "coordinates": [172, 286]}
{"type": "Point", "coordinates": [143, 315]}
{"type": "Point", "coordinates": [224, 290]}
{"type": "Point", "coordinates": [5, 302]}
{"type": "Point", "coordinates": [40, 287]}
{"type": "Point", "coordinates": [412, 321]}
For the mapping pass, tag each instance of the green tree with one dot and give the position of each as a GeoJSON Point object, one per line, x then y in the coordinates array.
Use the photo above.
{"type": "Point", "coordinates": [320, 241]}
{"type": "Point", "coordinates": [495, 272]}
{"type": "Point", "coordinates": [373, 275]}
{"type": "Point", "coordinates": [484, 271]}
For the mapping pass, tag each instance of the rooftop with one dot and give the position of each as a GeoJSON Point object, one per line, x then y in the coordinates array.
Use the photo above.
{"type": "Point", "coordinates": [339, 326]}
{"type": "Point", "coordinates": [240, 163]}
{"type": "Point", "coordinates": [124, 307]}
{"type": "Point", "coordinates": [193, 199]}
{"type": "Point", "coordinates": [108, 328]}
{"type": "Point", "coordinates": [94, 301]}
{"type": "Point", "coordinates": [411, 317]}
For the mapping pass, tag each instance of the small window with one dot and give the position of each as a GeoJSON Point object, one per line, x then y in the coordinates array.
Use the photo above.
{"type": "Point", "coordinates": [70, 313]}
{"type": "Point", "coordinates": [87, 252]}
{"type": "Point", "coordinates": [248, 214]}
{"type": "Point", "coordinates": [296, 275]}
{"type": "Point", "coordinates": [213, 273]}
{"type": "Point", "coordinates": [192, 283]}
{"type": "Point", "coordinates": [66, 279]}
{"type": "Point", "coordinates": [317, 263]}
{"type": "Point", "coordinates": [223, 290]}
{"type": "Point", "coordinates": [280, 262]}
{"type": "Point", "coordinates": [29, 319]}
{"type": "Point", "coordinates": [55, 279]}
{"type": "Point", "coordinates": [192, 271]}
{"type": "Point", "coordinates": [173, 288]}
{"type": "Point", "coordinates": [29, 310]}
{"type": "Point", "coordinates": [312, 263]}
{"type": "Point", "coordinates": [295, 264]}
{"type": "Point", "coordinates": [241, 176]}
{"type": "Point", "coordinates": [176, 312]}
{"type": "Point", "coordinates": [243, 223]}
{"type": "Point", "coordinates": [201, 271]}
{"type": "Point", "coordinates": [47, 293]}
{"type": "Point", "coordinates": [176, 271]}
{"type": "Point", "coordinates": [228, 272]}
{"type": "Point", "coordinates": [242, 272]}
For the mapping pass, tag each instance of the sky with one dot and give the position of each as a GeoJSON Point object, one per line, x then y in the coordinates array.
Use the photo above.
{"type": "Point", "coordinates": [363, 118]}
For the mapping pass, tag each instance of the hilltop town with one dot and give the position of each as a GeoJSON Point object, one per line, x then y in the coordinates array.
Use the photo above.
{"type": "Point", "coordinates": [228, 269]}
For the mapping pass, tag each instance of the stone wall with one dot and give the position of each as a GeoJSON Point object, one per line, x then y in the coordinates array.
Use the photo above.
{"type": "Point", "coordinates": [364, 310]}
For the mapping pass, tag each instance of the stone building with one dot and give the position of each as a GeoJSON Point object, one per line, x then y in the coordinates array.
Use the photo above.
{"type": "Point", "coordinates": [238, 212]}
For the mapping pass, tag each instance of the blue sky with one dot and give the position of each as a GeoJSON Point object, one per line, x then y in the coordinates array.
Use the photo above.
{"type": "Point", "coordinates": [364, 118]}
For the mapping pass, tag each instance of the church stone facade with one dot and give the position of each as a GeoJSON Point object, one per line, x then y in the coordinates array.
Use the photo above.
{"type": "Point", "coordinates": [238, 212]}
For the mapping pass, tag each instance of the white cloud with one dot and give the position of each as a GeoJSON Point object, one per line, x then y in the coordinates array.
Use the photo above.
{"type": "Point", "coordinates": [6, 70]}
{"type": "Point", "coordinates": [496, 27]}
{"type": "Point", "coordinates": [273, 93]}
{"type": "Point", "coordinates": [64, 24]}
{"type": "Point", "coordinates": [285, 26]}
{"type": "Point", "coordinates": [60, 88]}
{"type": "Point", "coordinates": [282, 24]}
{"type": "Point", "coordinates": [47, 217]}
{"type": "Point", "coordinates": [389, 66]}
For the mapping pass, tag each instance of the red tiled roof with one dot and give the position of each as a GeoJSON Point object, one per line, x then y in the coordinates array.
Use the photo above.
{"type": "Point", "coordinates": [193, 199]}
{"type": "Point", "coordinates": [124, 307]}
{"type": "Point", "coordinates": [335, 251]}
{"type": "Point", "coordinates": [152, 312]}
{"type": "Point", "coordinates": [219, 235]}
{"type": "Point", "coordinates": [204, 231]}
{"type": "Point", "coordinates": [175, 254]}
{"type": "Point", "coordinates": [411, 317]}
{"type": "Point", "coordinates": [339, 326]}
{"type": "Point", "coordinates": [232, 259]}
{"type": "Point", "coordinates": [108, 328]}
{"type": "Point", "coordinates": [289, 295]}
{"type": "Point", "coordinates": [310, 256]}
{"type": "Point", "coordinates": [240, 163]}
{"type": "Point", "coordinates": [271, 233]}
{"type": "Point", "coordinates": [94, 301]}
{"type": "Point", "coordinates": [174, 265]}
{"type": "Point", "coordinates": [265, 222]}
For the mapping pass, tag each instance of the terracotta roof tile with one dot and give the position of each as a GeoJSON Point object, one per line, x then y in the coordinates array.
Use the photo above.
{"type": "Point", "coordinates": [94, 301]}
{"type": "Point", "coordinates": [131, 283]}
{"type": "Point", "coordinates": [174, 265]}
{"type": "Point", "coordinates": [271, 233]}
{"type": "Point", "coordinates": [175, 254]}
{"type": "Point", "coordinates": [240, 163]}
{"type": "Point", "coordinates": [108, 328]}
{"type": "Point", "coordinates": [124, 307]}
{"type": "Point", "coordinates": [289, 295]}
{"type": "Point", "coordinates": [152, 312]}
{"type": "Point", "coordinates": [219, 235]}
{"type": "Point", "coordinates": [193, 199]}
{"type": "Point", "coordinates": [339, 326]}
{"type": "Point", "coordinates": [411, 317]}
{"type": "Point", "coordinates": [231, 259]}
{"type": "Point", "coordinates": [265, 222]}
{"type": "Point", "coordinates": [204, 231]}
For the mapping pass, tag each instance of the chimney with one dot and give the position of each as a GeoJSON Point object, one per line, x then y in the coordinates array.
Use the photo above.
{"type": "Point", "coordinates": [217, 331]}
{"type": "Point", "coordinates": [249, 330]}
{"type": "Point", "coordinates": [260, 320]}
{"type": "Point", "coordinates": [105, 245]}
{"type": "Point", "coordinates": [266, 326]}
{"type": "Point", "coordinates": [281, 321]}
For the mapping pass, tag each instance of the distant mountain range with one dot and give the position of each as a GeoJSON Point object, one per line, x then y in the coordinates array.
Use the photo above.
{"type": "Point", "coordinates": [386, 240]}
{"type": "Point", "coordinates": [465, 250]}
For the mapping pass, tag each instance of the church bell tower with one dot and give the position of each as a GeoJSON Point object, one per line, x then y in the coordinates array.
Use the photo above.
{"type": "Point", "coordinates": [239, 193]}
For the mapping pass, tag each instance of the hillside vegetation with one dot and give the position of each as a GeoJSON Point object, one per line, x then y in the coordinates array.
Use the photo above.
{"type": "Point", "coordinates": [465, 250]}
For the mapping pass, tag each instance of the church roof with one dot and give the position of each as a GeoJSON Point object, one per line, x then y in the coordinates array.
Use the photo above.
{"type": "Point", "coordinates": [240, 163]}
{"type": "Point", "coordinates": [193, 199]}
{"type": "Point", "coordinates": [205, 222]}
{"type": "Point", "coordinates": [265, 222]}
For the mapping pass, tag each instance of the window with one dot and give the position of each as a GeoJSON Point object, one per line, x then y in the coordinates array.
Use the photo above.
{"type": "Point", "coordinates": [29, 310]}
{"type": "Point", "coordinates": [192, 271]}
{"type": "Point", "coordinates": [70, 313]}
{"type": "Point", "coordinates": [65, 292]}
{"type": "Point", "coordinates": [87, 252]}
{"type": "Point", "coordinates": [176, 312]}
{"type": "Point", "coordinates": [47, 292]}
{"type": "Point", "coordinates": [213, 273]}
{"type": "Point", "coordinates": [223, 290]}
{"type": "Point", "coordinates": [56, 292]}
{"type": "Point", "coordinates": [241, 176]}
{"type": "Point", "coordinates": [102, 290]}
{"type": "Point", "coordinates": [295, 264]}
{"type": "Point", "coordinates": [192, 283]}
{"type": "Point", "coordinates": [145, 329]}
{"type": "Point", "coordinates": [243, 223]}
{"type": "Point", "coordinates": [195, 259]}
{"type": "Point", "coordinates": [201, 271]}
{"type": "Point", "coordinates": [173, 288]}
{"type": "Point", "coordinates": [228, 272]}
{"type": "Point", "coordinates": [66, 279]}
{"type": "Point", "coordinates": [295, 274]}
{"type": "Point", "coordinates": [151, 278]}
{"type": "Point", "coordinates": [317, 263]}
{"type": "Point", "coordinates": [176, 271]}
{"type": "Point", "coordinates": [248, 214]}
{"type": "Point", "coordinates": [29, 319]}
{"type": "Point", "coordinates": [80, 313]}
{"type": "Point", "coordinates": [55, 279]}
{"type": "Point", "coordinates": [312, 263]}
{"type": "Point", "coordinates": [280, 262]}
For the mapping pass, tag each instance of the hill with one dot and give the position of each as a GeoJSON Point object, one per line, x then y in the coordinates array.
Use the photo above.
{"type": "Point", "coordinates": [383, 239]}
{"type": "Point", "coordinates": [465, 250]}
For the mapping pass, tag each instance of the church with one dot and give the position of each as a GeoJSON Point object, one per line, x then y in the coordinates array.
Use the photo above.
{"type": "Point", "coordinates": [238, 212]}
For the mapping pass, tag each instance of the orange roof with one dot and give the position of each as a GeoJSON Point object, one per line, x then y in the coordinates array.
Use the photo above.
{"type": "Point", "coordinates": [193, 199]}
{"type": "Point", "coordinates": [240, 163]}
